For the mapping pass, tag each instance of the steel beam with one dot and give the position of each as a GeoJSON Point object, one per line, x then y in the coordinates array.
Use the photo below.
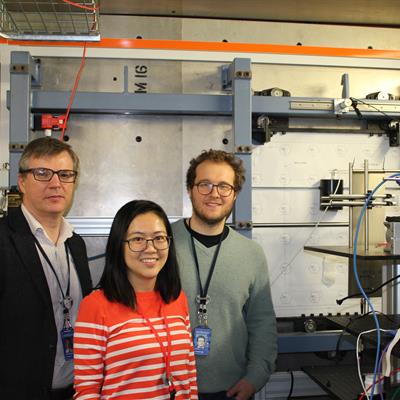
{"type": "Point", "coordinates": [132, 103]}
{"type": "Point", "coordinates": [240, 73]}
{"type": "Point", "coordinates": [202, 104]}
{"type": "Point", "coordinates": [23, 70]}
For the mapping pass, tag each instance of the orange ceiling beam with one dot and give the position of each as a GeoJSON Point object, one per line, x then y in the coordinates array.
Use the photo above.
{"type": "Point", "coordinates": [186, 45]}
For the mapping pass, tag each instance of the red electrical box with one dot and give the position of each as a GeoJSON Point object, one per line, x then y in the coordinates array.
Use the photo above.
{"type": "Point", "coordinates": [53, 122]}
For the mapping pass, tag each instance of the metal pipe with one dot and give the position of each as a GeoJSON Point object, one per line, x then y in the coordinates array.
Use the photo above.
{"type": "Point", "coordinates": [352, 196]}
{"type": "Point", "coordinates": [354, 203]}
{"type": "Point", "coordinates": [350, 210]}
{"type": "Point", "coordinates": [372, 171]}
{"type": "Point", "coordinates": [366, 220]}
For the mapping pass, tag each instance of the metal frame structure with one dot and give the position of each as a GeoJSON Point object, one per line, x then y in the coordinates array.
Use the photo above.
{"type": "Point", "coordinates": [25, 98]}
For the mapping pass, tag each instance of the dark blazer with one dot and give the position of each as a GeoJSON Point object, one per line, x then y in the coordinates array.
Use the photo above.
{"type": "Point", "coordinates": [28, 334]}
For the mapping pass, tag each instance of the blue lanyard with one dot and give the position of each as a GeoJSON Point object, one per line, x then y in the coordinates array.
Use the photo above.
{"type": "Point", "coordinates": [203, 292]}
{"type": "Point", "coordinates": [67, 300]}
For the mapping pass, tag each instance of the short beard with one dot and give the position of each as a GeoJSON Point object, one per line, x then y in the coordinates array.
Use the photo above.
{"type": "Point", "coordinates": [212, 221]}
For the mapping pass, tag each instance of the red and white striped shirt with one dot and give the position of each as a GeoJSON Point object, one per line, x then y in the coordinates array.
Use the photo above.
{"type": "Point", "coordinates": [116, 355]}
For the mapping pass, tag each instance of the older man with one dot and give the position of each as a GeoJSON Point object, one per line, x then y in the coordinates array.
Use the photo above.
{"type": "Point", "coordinates": [225, 277]}
{"type": "Point", "coordinates": [44, 274]}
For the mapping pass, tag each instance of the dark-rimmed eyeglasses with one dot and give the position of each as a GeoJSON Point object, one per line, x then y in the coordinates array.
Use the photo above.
{"type": "Point", "coordinates": [46, 174]}
{"type": "Point", "coordinates": [138, 243]}
{"type": "Point", "coordinates": [224, 189]}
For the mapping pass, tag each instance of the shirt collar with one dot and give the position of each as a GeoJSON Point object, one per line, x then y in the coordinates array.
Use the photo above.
{"type": "Point", "coordinates": [66, 229]}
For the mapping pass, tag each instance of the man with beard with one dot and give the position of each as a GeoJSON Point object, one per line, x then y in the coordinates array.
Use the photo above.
{"type": "Point", "coordinates": [225, 277]}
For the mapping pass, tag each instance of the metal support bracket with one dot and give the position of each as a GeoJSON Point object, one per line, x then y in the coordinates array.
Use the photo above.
{"type": "Point", "coordinates": [394, 133]}
{"type": "Point", "coordinates": [225, 80]}
{"type": "Point", "coordinates": [243, 74]}
{"type": "Point", "coordinates": [19, 68]}
{"type": "Point", "coordinates": [243, 149]}
{"type": "Point", "coordinates": [244, 225]}
{"type": "Point", "coordinates": [17, 147]}
{"type": "Point", "coordinates": [228, 75]}
{"type": "Point", "coordinates": [342, 106]}
{"type": "Point", "coordinates": [31, 66]}
{"type": "Point", "coordinates": [264, 127]}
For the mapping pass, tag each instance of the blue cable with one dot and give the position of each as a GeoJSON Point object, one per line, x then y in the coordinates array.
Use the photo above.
{"type": "Point", "coordinates": [378, 332]}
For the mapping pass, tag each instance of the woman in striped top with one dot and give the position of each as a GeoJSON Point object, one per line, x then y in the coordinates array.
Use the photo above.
{"type": "Point", "coordinates": [132, 336]}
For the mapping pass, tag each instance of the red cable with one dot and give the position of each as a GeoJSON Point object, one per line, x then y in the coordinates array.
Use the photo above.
{"type": "Point", "coordinates": [377, 381]}
{"type": "Point", "coordinates": [78, 75]}
{"type": "Point", "coordinates": [72, 3]}
{"type": "Point", "coordinates": [71, 99]}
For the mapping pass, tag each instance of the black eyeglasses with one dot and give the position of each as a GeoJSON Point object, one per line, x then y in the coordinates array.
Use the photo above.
{"type": "Point", "coordinates": [46, 174]}
{"type": "Point", "coordinates": [138, 243]}
{"type": "Point", "coordinates": [224, 189]}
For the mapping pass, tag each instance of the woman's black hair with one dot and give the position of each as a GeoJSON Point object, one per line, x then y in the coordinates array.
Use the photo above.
{"type": "Point", "coordinates": [114, 281]}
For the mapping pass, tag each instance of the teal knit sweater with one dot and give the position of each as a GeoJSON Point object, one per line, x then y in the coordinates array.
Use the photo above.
{"type": "Point", "coordinates": [240, 312]}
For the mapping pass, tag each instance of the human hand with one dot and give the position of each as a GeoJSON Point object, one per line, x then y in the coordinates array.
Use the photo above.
{"type": "Point", "coordinates": [242, 390]}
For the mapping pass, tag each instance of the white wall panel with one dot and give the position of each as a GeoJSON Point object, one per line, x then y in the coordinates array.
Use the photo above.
{"type": "Point", "coordinates": [292, 206]}
{"type": "Point", "coordinates": [301, 159]}
{"type": "Point", "coordinates": [290, 33]}
{"type": "Point", "coordinates": [306, 282]}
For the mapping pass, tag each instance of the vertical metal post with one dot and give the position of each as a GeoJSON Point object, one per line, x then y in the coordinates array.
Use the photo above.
{"type": "Point", "coordinates": [126, 79]}
{"type": "Point", "coordinates": [351, 208]}
{"type": "Point", "coordinates": [346, 86]}
{"type": "Point", "coordinates": [241, 110]}
{"type": "Point", "coordinates": [366, 225]}
{"type": "Point", "coordinates": [21, 71]}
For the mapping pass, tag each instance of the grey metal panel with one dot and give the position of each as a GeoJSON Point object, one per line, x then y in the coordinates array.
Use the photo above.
{"type": "Point", "coordinates": [123, 157]}
{"type": "Point", "coordinates": [108, 75]}
{"type": "Point", "coordinates": [116, 167]}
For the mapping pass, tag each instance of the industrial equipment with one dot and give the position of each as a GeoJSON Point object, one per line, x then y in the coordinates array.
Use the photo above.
{"type": "Point", "coordinates": [277, 92]}
{"type": "Point", "coordinates": [48, 123]}
{"type": "Point", "coordinates": [380, 96]}
{"type": "Point", "coordinates": [49, 20]}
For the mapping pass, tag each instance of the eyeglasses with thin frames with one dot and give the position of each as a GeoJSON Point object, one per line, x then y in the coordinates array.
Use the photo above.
{"type": "Point", "coordinates": [223, 189]}
{"type": "Point", "coordinates": [46, 174]}
{"type": "Point", "coordinates": [139, 243]}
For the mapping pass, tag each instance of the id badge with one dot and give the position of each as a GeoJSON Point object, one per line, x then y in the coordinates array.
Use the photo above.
{"type": "Point", "coordinates": [67, 338]}
{"type": "Point", "coordinates": [202, 340]}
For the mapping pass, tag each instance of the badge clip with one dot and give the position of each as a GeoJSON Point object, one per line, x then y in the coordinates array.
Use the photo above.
{"type": "Point", "coordinates": [202, 300]}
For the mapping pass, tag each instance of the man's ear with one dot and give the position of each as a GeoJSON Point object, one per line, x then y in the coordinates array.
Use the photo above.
{"type": "Point", "coordinates": [21, 183]}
